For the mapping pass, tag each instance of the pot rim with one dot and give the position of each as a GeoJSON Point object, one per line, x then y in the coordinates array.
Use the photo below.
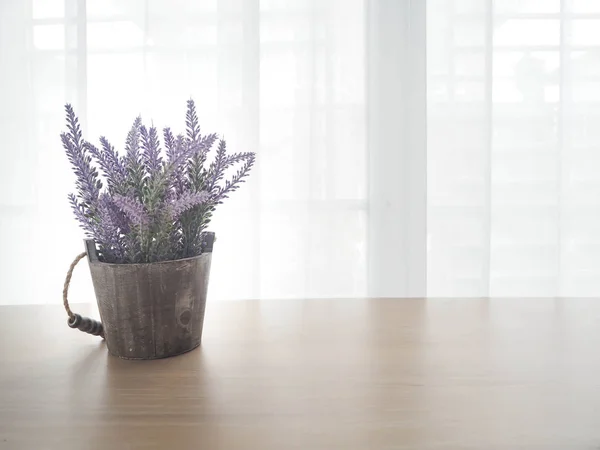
{"type": "Point", "coordinates": [168, 261]}
{"type": "Point", "coordinates": [91, 250]}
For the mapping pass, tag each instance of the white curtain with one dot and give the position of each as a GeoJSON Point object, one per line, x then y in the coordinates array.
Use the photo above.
{"type": "Point", "coordinates": [513, 156]}
{"type": "Point", "coordinates": [283, 78]}
{"type": "Point", "coordinates": [405, 148]}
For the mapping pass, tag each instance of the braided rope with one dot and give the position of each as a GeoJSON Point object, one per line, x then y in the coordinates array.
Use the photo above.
{"type": "Point", "coordinates": [68, 282]}
{"type": "Point", "coordinates": [84, 324]}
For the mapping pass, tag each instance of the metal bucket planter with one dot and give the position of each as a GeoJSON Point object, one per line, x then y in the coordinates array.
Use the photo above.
{"type": "Point", "coordinates": [152, 310]}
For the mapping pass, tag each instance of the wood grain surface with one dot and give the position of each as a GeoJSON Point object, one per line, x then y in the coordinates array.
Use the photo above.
{"type": "Point", "coordinates": [314, 374]}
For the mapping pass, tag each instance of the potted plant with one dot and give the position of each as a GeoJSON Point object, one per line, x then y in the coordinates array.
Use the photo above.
{"type": "Point", "coordinates": [145, 214]}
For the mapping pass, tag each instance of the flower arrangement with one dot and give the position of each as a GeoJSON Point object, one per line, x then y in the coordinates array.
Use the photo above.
{"type": "Point", "coordinates": [148, 205]}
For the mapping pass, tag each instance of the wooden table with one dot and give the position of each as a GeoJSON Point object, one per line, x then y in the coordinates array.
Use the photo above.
{"type": "Point", "coordinates": [318, 374]}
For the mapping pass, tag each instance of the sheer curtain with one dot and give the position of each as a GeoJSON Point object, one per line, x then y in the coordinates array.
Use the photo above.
{"type": "Point", "coordinates": [513, 147]}
{"type": "Point", "coordinates": [405, 148]}
{"type": "Point", "coordinates": [283, 78]}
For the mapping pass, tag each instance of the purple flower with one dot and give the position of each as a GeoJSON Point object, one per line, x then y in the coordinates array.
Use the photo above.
{"type": "Point", "coordinates": [187, 153]}
{"type": "Point", "coordinates": [151, 156]}
{"type": "Point", "coordinates": [133, 161]}
{"type": "Point", "coordinates": [87, 181]}
{"type": "Point", "coordinates": [170, 144]}
{"type": "Point", "coordinates": [117, 217]}
{"type": "Point", "coordinates": [177, 161]}
{"type": "Point", "coordinates": [185, 202]}
{"type": "Point", "coordinates": [110, 229]}
{"type": "Point", "coordinates": [191, 121]}
{"type": "Point", "coordinates": [206, 144]}
{"type": "Point", "coordinates": [132, 208]}
{"type": "Point", "coordinates": [80, 215]}
{"type": "Point", "coordinates": [217, 168]}
{"type": "Point", "coordinates": [152, 209]}
{"type": "Point", "coordinates": [113, 168]}
{"type": "Point", "coordinates": [73, 127]}
{"type": "Point", "coordinates": [132, 144]}
{"type": "Point", "coordinates": [232, 185]}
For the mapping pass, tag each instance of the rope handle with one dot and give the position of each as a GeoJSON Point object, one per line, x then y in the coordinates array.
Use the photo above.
{"type": "Point", "coordinates": [84, 324]}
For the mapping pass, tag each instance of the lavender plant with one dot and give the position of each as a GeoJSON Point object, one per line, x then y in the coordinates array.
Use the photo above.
{"type": "Point", "coordinates": [150, 205]}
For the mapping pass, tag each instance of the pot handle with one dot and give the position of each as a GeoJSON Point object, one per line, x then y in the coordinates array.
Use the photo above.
{"type": "Point", "coordinates": [85, 324]}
